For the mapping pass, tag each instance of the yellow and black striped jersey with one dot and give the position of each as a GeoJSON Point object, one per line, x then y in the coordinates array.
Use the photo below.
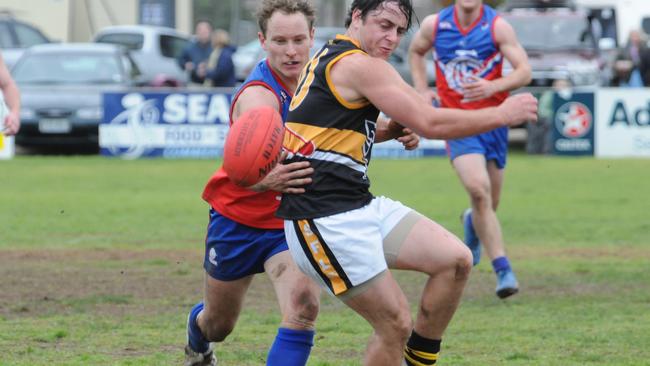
{"type": "Point", "coordinates": [334, 135]}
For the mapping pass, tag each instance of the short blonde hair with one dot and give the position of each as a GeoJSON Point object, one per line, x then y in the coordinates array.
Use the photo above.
{"type": "Point", "coordinates": [268, 7]}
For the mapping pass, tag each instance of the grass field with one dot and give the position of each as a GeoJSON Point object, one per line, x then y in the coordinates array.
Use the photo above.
{"type": "Point", "coordinates": [100, 261]}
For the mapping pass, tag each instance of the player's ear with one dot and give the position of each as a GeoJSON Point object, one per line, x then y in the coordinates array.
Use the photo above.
{"type": "Point", "coordinates": [262, 39]}
{"type": "Point", "coordinates": [311, 37]}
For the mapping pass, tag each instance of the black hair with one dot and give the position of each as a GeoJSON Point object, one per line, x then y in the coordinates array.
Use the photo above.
{"type": "Point", "coordinates": [366, 6]}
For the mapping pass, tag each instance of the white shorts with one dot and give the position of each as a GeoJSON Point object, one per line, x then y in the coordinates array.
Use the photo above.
{"type": "Point", "coordinates": [345, 250]}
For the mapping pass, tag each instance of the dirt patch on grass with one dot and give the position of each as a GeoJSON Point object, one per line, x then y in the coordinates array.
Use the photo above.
{"type": "Point", "coordinates": [106, 281]}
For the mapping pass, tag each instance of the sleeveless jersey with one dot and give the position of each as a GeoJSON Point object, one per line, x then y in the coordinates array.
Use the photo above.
{"type": "Point", "coordinates": [459, 53]}
{"type": "Point", "coordinates": [255, 209]}
{"type": "Point", "coordinates": [334, 135]}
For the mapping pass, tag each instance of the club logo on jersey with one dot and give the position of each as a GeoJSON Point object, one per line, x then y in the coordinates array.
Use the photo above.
{"type": "Point", "coordinates": [465, 64]}
{"type": "Point", "coordinates": [573, 120]}
{"type": "Point", "coordinates": [444, 25]}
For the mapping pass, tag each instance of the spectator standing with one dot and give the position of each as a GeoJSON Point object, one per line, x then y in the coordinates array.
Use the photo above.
{"type": "Point", "coordinates": [632, 62]}
{"type": "Point", "coordinates": [195, 55]}
{"type": "Point", "coordinates": [220, 70]}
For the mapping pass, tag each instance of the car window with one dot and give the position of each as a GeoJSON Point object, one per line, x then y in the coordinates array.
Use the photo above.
{"type": "Point", "coordinates": [28, 36]}
{"type": "Point", "coordinates": [132, 41]}
{"type": "Point", "coordinates": [5, 36]}
{"type": "Point", "coordinates": [68, 68]}
{"type": "Point", "coordinates": [552, 32]}
{"type": "Point", "coordinates": [171, 46]}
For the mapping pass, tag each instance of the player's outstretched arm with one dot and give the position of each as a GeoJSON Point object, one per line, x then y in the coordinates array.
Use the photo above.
{"type": "Point", "coordinates": [360, 77]}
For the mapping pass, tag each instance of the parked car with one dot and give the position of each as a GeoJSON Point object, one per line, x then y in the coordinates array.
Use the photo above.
{"type": "Point", "coordinates": [154, 49]}
{"type": "Point", "coordinates": [558, 39]}
{"type": "Point", "coordinates": [16, 36]}
{"type": "Point", "coordinates": [61, 90]}
{"type": "Point", "coordinates": [247, 55]}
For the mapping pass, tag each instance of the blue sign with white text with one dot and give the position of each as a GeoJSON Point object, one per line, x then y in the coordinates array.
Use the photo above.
{"type": "Point", "coordinates": [170, 125]}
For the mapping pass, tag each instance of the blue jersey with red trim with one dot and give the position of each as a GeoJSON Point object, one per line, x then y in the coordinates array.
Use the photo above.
{"type": "Point", "coordinates": [255, 209]}
{"type": "Point", "coordinates": [463, 52]}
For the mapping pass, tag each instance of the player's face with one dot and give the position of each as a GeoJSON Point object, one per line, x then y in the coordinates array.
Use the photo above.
{"type": "Point", "coordinates": [381, 30]}
{"type": "Point", "coordinates": [287, 42]}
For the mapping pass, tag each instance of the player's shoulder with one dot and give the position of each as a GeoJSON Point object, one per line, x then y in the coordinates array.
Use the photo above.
{"type": "Point", "coordinates": [253, 96]}
{"type": "Point", "coordinates": [429, 22]}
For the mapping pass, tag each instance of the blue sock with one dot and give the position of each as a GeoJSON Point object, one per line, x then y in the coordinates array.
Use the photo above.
{"type": "Point", "coordinates": [291, 347]}
{"type": "Point", "coordinates": [501, 264]}
{"type": "Point", "coordinates": [195, 337]}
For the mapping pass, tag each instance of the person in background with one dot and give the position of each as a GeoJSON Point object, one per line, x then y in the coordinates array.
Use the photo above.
{"type": "Point", "coordinates": [471, 43]}
{"type": "Point", "coordinates": [11, 123]}
{"type": "Point", "coordinates": [220, 70]}
{"type": "Point", "coordinates": [632, 63]}
{"type": "Point", "coordinates": [194, 57]}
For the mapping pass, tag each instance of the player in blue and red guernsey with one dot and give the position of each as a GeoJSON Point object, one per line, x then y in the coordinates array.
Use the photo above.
{"type": "Point", "coordinates": [243, 236]}
{"type": "Point", "coordinates": [470, 43]}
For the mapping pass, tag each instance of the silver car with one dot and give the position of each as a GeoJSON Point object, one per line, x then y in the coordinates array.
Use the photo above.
{"type": "Point", "coordinates": [155, 49]}
{"type": "Point", "coordinates": [61, 91]}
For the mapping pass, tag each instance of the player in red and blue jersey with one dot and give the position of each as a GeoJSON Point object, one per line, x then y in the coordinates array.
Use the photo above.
{"type": "Point", "coordinates": [243, 236]}
{"type": "Point", "coordinates": [470, 43]}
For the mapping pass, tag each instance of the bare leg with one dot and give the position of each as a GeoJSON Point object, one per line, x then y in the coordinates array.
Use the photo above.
{"type": "Point", "coordinates": [223, 303]}
{"type": "Point", "coordinates": [385, 307]}
{"type": "Point", "coordinates": [483, 184]}
{"type": "Point", "coordinates": [429, 248]}
{"type": "Point", "coordinates": [298, 296]}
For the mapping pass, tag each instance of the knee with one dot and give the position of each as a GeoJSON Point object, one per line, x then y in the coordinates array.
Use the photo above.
{"type": "Point", "coordinates": [480, 196]}
{"type": "Point", "coordinates": [217, 329]}
{"type": "Point", "coordinates": [401, 327]}
{"type": "Point", "coordinates": [463, 264]}
{"type": "Point", "coordinates": [304, 306]}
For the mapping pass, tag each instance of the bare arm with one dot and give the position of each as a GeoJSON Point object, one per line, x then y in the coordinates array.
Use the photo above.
{"type": "Point", "coordinates": [421, 44]}
{"type": "Point", "coordinates": [287, 178]}
{"type": "Point", "coordinates": [515, 54]}
{"type": "Point", "coordinates": [360, 77]}
{"type": "Point", "coordinates": [11, 124]}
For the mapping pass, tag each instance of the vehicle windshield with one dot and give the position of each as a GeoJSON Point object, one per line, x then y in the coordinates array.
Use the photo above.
{"type": "Point", "coordinates": [549, 32]}
{"type": "Point", "coordinates": [68, 68]}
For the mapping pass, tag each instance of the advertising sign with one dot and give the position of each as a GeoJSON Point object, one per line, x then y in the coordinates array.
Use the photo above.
{"type": "Point", "coordinates": [623, 122]}
{"type": "Point", "coordinates": [170, 125]}
{"type": "Point", "coordinates": [573, 124]}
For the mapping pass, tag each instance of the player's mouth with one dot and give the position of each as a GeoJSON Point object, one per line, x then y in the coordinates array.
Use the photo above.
{"type": "Point", "coordinates": [292, 64]}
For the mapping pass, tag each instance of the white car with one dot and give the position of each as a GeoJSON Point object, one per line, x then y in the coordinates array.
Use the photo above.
{"type": "Point", "coordinates": [154, 49]}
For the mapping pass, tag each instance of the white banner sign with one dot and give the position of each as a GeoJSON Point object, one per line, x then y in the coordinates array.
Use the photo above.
{"type": "Point", "coordinates": [622, 122]}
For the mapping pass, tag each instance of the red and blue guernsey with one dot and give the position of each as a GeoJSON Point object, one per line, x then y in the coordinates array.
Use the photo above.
{"type": "Point", "coordinates": [255, 209]}
{"type": "Point", "coordinates": [463, 52]}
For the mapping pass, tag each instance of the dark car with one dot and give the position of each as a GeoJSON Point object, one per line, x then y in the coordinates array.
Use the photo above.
{"type": "Point", "coordinates": [559, 42]}
{"type": "Point", "coordinates": [61, 90]}
{"type": "Point", "coordinates": [16, 36]}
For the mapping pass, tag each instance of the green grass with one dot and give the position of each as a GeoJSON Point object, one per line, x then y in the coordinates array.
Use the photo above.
{"type": "Point", "coordinates": [100, 260]}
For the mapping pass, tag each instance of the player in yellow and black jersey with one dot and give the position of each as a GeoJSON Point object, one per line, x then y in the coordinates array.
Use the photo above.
{"type": "Point", "coordinates": [338, 233]}
{"type": "Point", "coordinates": [335, 135]}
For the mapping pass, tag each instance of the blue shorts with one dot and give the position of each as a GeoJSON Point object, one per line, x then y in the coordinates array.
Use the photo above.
{"type": "Point", "coordinates": [492, 144]}
{"type": "Point", "coordinates": [234, 251]}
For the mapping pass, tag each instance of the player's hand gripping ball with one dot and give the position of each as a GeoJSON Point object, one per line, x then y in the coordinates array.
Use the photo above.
{"type": "Point", "coordinates": [253, 145]}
